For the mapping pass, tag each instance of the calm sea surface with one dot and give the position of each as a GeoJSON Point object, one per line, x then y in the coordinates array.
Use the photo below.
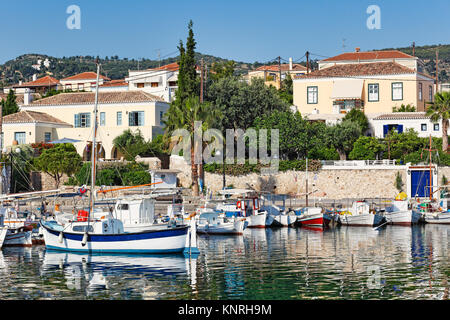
{"type": "Point", "coordinates": [287, 263]}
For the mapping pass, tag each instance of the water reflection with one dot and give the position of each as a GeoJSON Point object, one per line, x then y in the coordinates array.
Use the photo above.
{"type": "Point", "coordinates": [393, 262]}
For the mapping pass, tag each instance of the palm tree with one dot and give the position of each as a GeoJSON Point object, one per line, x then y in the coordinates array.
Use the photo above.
{"type": "Point", "coordinates": [184, 116]}
{"type": "Point", "coordinates": [440, 109]}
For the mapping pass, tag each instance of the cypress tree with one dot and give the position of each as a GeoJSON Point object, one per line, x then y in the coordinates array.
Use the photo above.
{"type": "Point", "coordinates": [9, 105]}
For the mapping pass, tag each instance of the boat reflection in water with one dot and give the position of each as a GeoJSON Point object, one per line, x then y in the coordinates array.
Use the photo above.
{"type": "Point", "coordinates": [98, 273]}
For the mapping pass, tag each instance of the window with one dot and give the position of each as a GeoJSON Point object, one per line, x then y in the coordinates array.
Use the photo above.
{"type": "Point", "coordinates": [1, 141]}
{"type": "Point", "coordinates": [140, 85]}
{"type": "Point", "coordinates": [102, 118]}
{"type": "Point", "coordinates": [374, 92]}
{"type": "Point", "coordinates": [420, 91]}
{"type": "Point", "coordinates": [312, 93]}
{"type": "Point", "coordinates": [430, 96]}
{"type": "Point", "coordinates": [397, 91]}
{"type": "Point", "coordinates": [155, 84]}
{"type": "Point", "coordinates": [81, 86]}
{"type": "Point", "coordinates": [436, 127]}
{"type": "Point", "coordinates": [136, 118]}
{"type": "Point", "coordinates": [122, 206]}
{"type": "Point", "coordinates": [19, 137]}
{"type": "Point", "coordinates": [161, 116]}
{"type": "Point", "coordinates": [83, 228]}
{"type": "Point", "coordinates": [423, 127]}
{"type": "Point", "coordinates": [119, 118]}
{"type": "Point", "coordinates": [82, 120]}
{"type": "Point", "coordinates": [47, 137]}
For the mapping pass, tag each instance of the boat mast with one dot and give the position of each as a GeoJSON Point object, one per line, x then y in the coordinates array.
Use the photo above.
{"type": "Point", "coordinates": [94, 147]}
{"type": "Point", "coordinates": [306, 181]}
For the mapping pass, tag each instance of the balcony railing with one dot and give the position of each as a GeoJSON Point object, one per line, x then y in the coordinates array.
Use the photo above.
{"type": "Point", "coordinates": [358, 163]}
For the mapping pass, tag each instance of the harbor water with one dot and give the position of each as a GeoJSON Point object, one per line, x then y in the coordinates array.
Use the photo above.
{"type": "Point", "coordinates": [394, 262]}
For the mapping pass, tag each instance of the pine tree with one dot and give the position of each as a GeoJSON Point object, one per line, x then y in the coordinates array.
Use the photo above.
{"type": "Point", "coordinates": [9, 105]}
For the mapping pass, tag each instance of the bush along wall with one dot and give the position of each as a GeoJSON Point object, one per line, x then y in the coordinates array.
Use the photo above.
{"type": "Point", "coordinates": [247, 168]}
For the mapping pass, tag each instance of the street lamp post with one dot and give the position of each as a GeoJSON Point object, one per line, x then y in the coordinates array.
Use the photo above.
{"type": "Point", "coordinates": [218, 153]}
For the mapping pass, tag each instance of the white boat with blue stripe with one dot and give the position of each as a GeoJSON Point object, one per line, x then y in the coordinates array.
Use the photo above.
{"type": "Point", "coordinates": [108, 236]}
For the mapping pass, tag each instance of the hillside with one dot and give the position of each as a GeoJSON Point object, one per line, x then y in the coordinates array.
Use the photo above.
{"type": "Point", "coordinates": [21, 68]}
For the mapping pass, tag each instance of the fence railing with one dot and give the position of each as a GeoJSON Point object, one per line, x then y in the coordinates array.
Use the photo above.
{"type": "Point", "coordinates": [358, 163]}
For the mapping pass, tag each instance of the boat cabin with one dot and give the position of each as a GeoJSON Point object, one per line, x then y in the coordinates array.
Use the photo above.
{"type": "Point", "coordinates": [135, 211]}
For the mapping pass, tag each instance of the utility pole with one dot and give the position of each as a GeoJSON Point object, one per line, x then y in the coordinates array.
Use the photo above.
{"type": "Point", "coordinates": [201, 82]}
{"type": "Point", "coordinates": [1, 150]}
{"type": "Point", "coordinates": [279, 70]}
{"type": "Point", "coordinates": [437, 70]}
{"type": "Point", "coordinates": [414, 49]}
{"type": "Point", "coordinates": [307, 62]}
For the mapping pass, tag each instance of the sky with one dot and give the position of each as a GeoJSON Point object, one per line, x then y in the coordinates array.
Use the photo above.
{"type": "Point", "coordinates": [245, 30]}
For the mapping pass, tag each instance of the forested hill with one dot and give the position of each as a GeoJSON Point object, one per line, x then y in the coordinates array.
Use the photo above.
{"type": "Point", "coordinates": [21, 68]}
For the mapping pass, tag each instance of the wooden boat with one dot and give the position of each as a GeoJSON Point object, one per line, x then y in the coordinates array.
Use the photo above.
{"type": "Point", "coordinates": [398, 213]}
{"type": "Point", "coordinates": [107, 234]}
{"type": "Point", "coordinates": [313, 217]}
{"type": "Point", "coordinates": [360, 215]}
{"type": "Point", "coordinates": [213, 222]}
{"type": "Point", "coordinates": [18, 237]}
{"type": "Point", "coordinates": [3, 231]}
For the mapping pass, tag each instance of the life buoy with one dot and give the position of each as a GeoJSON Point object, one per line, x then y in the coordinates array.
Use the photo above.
{"type": "Point", "coordinates": [238, 205]}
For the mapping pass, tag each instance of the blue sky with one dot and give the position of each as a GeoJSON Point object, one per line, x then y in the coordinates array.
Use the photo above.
{"type": "Point", "coordinates": [245, 30]}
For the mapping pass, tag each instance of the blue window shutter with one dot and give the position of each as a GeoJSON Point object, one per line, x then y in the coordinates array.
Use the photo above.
{"type": "Point", "coordinates": [400, 128]}
{"type": "Point", "coordinates": [385, 130]}
{"type": "Point", "coordinates": [77, 120]}
{"type": "Point", "coordinates": [88, 120]}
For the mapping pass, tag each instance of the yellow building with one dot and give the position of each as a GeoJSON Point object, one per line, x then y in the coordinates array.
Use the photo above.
{"type": "Point", "coordinates": [374, 88]}
{"type": "Point", "coordinates": [72, 115]}
{"type": "Point", "coordinates": [271, 74]}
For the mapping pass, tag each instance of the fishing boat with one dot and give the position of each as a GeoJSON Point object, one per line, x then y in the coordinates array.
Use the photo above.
{"type": "Point", "coordinates": [3, 231]}
{"type": "Point", "coordinates": [214, 222]}
{"type": "Point", "coordinates": [313, 217]}
{"type": "Point", "coordinates": [399, 213]}
{"type": "Point", "coordinates": [281, 216]}
{"type": "Point", "coordinates": [360, 215]}
{"type": "Point", "coordinates": [106, 234]}
{"type": "Point", "coordinates": [248, 205]}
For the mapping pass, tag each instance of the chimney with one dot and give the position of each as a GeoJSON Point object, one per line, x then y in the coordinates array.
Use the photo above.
{"type": "Point", "coordinates": [290, 64]}
{"type": "Point", "coordinates": [358, 49]}
{"type": "Point", "coordinates": [20, 82]}
{"type": "Point", "coordinates": [27, 97]}
{"type": "Point", "coordinates": [34, 77]}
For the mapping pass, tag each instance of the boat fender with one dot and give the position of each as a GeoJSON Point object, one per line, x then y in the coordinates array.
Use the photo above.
{"type": "Point", "coordinates": [61, 237]}
{"type": "Point", "coordinates": [84, 241]}
{"type": "Point", "coordinates": [105, 227]}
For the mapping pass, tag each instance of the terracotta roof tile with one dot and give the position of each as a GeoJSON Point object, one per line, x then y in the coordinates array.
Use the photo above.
{"type": "Point", "coordinates": [103, 98]}
{"type": "Point", "coordinates": [369, 55]}
{"type": "Point", "coordinates": [32, 116]}
{"type": "Point", "coordinates": [402, 116]}
{"type": "Point", "coordinates": [361, 69]}
{"type": "Point", "coordinates": [114, 83]}
{"type": "Point", "coordinates": [284, 67]}
{"type": "Point", "coordinates": [44, 81]}
{"type": "Point", "coordinates": [170, 67]}
{"type": "Point", "coordinates": [85, 76]}
{"type": "Point", "coordinates": [19, 97]}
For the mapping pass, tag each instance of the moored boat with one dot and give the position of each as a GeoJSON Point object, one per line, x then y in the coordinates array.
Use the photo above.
{"type": "Point", "coordinates": [398, 213]}
{"type": "Point", "coordinates": [360, 215]}
{"type": "Point", "coordinates": [313, 217]}
{"type": "Point", "coordinates": [213, 222]}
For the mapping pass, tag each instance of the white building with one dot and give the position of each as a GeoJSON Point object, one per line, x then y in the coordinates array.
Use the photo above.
{"type": "Point", "coordinates": [402, 121]}
{"type": "Point", "coordinates": [161, 82]}
{"type": "Point", "coordinates": [85, 81]}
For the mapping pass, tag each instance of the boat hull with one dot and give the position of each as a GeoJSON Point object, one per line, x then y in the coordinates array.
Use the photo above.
{"type": "Point", "coordinates": [314, 220]}
{"type": "Point", "coordinates": [437, 218]}
{"type": "Point", "coordinates": [405, 218]}
{"type": "Point", "coordinates": [285, 220]}
{"type": "Point", "coordinates": [232, 228]}
{"type": "Point", "coordinates": [362, 220]}
{"type": "Point", "coordinates": [257, 221]}
{"type": "Point", "coordinates": [16, 238]}
{"type": "Point", "coordinates": [155, 241]}
{"type": "Point", "coordinates": [3, 231]}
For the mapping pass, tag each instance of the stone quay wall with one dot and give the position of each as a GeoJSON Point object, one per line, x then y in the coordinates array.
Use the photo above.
{"type": "Point", "coordinates": [338, 183]}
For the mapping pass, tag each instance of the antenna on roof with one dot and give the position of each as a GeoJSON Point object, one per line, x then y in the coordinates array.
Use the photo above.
{"type": "Point", "coordinates": [343, 44]}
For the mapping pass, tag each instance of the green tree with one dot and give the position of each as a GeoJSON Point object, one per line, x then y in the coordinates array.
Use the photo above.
{"type": "Point", "coordinates": [222, 69]}
{"type": "Point", "coordinates": [240, 102]}
{"type": "Point", "coordinates": [59, 160]}
{"type": "Point", "coordinates": [184, 117]}
{"type": "Point", "coordinates": [286, 91]}
{"type": "Point", "coordinates": [404, 108]}
{"type": "Point", "coordinates": [366, 148]}
{"type": "Point", "coordinates": [131, 144]}
{"type": "Point", "coordinates": [9, 105]}
{"type": "Point", "coordinates": [398, 182]}
{"type": "Point", "coordinates": [440, 110]}
{"type": "Point", "coordinates": [359, 117]}
{"type": "Point", "coordinates": [342, 136]}
{"type": "Point", "coordinates": [398, 145]}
